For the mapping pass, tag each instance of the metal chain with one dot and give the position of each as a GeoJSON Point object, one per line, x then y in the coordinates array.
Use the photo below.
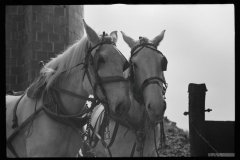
{"type": "Point", "coordinates": [140, 133]}
{"type": "Point", "coordinates": [140, 141]}
{"type": "Point", "coordinates": [107, 130]}
{"type": "Point", "coordinates": [87, 141]}
{"type": "Point", "coordinates": [204, 139]}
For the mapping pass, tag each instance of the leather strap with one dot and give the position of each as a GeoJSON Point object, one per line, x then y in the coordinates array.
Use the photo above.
{"type": "Point", "coordinates": [72, 94]}
{"type": "Point", "coordinates": [148, 83]}
{"type": "Point", "coordinates": [133, 149]}
{"type": "Point", "coordinates": [155, 141]}
{"type": "Point", "coordinates": [112, 79]}
{"type": "Point", "coordinates": [15, 120]}
{"type": "Point", "coordinates": [93, 129]}
{"type": "Point", "coordinates": [152, 78]}
{"type": "Point", "coordinates": [162, 135]}
{"type": "Point", "coordinates": [17, 130]}
{"type": "Point", "coordinates": [92, 136]}
{"type": "Point", "coordinates": [9, 144]}
{"type": "Point", "coordinates": [101, 139]}
{"type": "Point", "coordinates": [113, 135]}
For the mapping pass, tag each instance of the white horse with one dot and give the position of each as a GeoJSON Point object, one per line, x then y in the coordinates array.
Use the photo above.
{"type": "Point", "coordinates": [137, 134]}
{"type": "Point", "coordinates": [56, 100]}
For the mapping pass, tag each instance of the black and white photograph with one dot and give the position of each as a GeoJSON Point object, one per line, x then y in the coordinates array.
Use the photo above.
{"type": "Point", "coordinates": [120, 80]}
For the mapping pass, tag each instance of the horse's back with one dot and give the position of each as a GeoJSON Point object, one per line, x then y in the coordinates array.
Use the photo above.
{"type": "Point", "coordinates": [11, 99]}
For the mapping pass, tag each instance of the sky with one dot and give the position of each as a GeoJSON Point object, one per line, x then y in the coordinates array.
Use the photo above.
{"type": "Point", "coordinates": [198, 43]}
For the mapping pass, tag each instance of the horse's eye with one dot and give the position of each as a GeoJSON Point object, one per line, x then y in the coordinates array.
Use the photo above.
{"type": "Point", "coordinates": [101, 60]}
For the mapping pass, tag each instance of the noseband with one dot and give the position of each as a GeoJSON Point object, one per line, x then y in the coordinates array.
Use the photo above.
{"type": "Point", "coordinates": [151, 80]}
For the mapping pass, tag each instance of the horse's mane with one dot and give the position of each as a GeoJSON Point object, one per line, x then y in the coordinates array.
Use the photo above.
{"type": "Point", "coordinates": [73, 55]}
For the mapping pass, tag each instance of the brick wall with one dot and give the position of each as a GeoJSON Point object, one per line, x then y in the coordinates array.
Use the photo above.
{"type": "Point", "coordinates": [37, 33]}
{"type": "Point", "coordinates": [14, 32]}
{"type": "Point", "coordinates": [75, 21]}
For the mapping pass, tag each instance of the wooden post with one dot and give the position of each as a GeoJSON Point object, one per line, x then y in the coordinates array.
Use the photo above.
{"type": "Point", "coordinates": [198, 147]}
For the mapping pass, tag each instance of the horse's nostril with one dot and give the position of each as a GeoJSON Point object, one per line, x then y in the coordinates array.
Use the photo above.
{"type": "Point", "coordinates": [119, 109]}
{"type": "Point", "coordinates": [149, 106]}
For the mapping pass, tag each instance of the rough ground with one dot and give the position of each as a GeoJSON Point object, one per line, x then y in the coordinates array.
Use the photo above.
{"type": "Point", "coordinates": [177, 141]}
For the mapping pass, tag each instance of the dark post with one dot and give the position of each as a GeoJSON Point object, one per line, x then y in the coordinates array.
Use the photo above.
{"type": "Point", "coordinates": [198, 147]}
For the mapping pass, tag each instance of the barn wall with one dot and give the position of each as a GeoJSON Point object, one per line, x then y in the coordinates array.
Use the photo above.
{"type": "Point", "coordinates": [13, 36]}
{"type": "Point", "coordinates": [37, 33]}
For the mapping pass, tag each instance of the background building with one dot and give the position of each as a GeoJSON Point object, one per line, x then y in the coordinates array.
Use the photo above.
{"type": "Point", "coordinates": [37, 33]}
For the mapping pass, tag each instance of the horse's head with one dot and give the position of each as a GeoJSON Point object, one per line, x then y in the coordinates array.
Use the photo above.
{"type": "Point", "coordinates": [146, 74]}
{"type": "Point", "coordinates": [108, 65]}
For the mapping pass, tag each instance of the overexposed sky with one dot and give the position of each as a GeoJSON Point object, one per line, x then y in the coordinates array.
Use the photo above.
{"type": "Point", "coordinates": [198, 43]}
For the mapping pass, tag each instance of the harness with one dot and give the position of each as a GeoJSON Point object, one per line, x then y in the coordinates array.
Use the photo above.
{"type": "Point", "coordinates": [54, 109]}
{"type": "Point", "coordinates": [101, 135]}
{"type": "Point", "coordinates": [139, 130]}
{"type": "Point", "coordinates": [138, 94]}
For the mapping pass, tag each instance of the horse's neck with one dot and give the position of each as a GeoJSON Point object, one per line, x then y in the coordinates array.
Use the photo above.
{"type": "Point", "coordinates": [136, 111]}
{"type": "Point", "coordinates": [73, 83]}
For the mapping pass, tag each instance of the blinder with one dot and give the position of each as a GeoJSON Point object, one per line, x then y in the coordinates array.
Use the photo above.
{"type": "Point", "coordinates": [164, 63]}
{"type": "Point", "coordinates": [131, 75]}
{"type": "Point", "coordinates": [126, 64]}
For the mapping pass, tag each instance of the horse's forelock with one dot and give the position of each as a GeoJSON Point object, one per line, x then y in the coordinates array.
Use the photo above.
{"type": "Point", "coordinates": [108, 38]}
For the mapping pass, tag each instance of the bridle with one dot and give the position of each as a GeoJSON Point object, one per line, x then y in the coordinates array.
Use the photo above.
{"type": "Point", "coordinates": [99, 81]}
{"type": "Point", "coordinates": [151, 80]}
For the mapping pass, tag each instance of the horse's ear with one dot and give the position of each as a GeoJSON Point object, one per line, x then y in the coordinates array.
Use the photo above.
{"type": "Point", "coordinates": [131, 42]}
{"type": "Point", "coordinates": [114, 36]}
{"type": "Point", "coordinates": [156, 41]}
{"type": "Point", "coordinates": [91, 34]}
